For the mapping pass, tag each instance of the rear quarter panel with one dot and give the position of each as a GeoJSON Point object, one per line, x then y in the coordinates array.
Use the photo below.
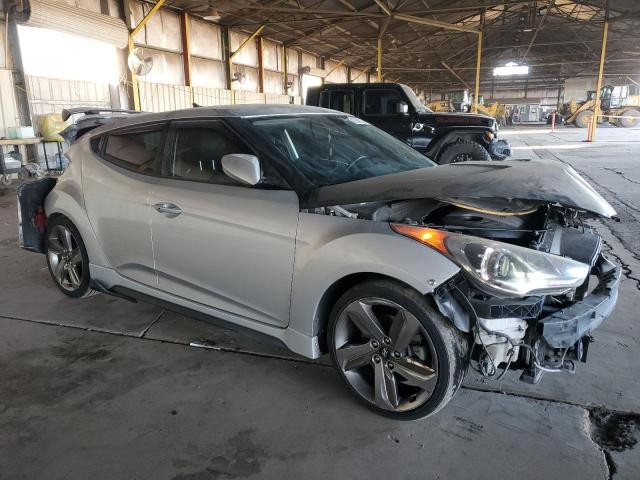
{"type": "Point", "coordinates": [67, 198]}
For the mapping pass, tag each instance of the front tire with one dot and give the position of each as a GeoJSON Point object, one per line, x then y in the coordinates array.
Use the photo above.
{"type": "Point", "coordinates": [395, 351]}
{"type": "Point", "coordinates": [67, 258]}
{"type": "Point", "coordinates": [463, 151]}
{"type": "Point", "coordinates": [632, 118]}
{"type": "Point", "coordinates": [584, 119]}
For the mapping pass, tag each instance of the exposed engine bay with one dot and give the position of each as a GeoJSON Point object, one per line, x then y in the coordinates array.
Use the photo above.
{"type": "Point", "coordinates": [533, 333]}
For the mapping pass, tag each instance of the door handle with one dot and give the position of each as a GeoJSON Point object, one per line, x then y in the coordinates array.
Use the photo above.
{"type": "Point", "coordinates": [171, 210]}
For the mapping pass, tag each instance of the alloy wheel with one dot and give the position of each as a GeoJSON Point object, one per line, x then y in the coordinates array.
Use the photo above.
{"type": "Point", "coordinates": [65, 258]}
{"type": "Point", "coordinates": [385, 354]}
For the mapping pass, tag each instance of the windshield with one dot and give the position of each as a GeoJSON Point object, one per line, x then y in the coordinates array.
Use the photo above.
{"type": "Point", "coordinates": [413, 98]}
{"type": "Point", "coordinates": [332, 149]}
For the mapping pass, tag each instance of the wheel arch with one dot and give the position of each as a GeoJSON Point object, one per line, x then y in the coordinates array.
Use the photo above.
{"type": "Point", "coordinates": [438, 144]}
{"type": "Point", "coordinates": [334, 292]}
{"type": "Point", "coordinates": [326, 272]}
{"type": "Point", "coordinates": [67, 202]}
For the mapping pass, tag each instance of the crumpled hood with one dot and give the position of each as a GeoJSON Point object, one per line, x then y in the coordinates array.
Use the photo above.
{"type": "Point", "coordinates": [441, 119]}
{"type": "Point", "coordinates": [548, 181]}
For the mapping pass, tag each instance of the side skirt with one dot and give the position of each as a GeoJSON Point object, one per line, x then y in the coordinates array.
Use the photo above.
{"type": "Point", "coordinates": [108, 281]}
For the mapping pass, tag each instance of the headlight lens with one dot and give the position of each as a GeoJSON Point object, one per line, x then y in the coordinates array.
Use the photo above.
{"type": "Point", "coordinates": [507, 270]}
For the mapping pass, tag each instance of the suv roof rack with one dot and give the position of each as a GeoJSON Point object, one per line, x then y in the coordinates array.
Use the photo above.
{"type": "Point", "coordinates": [67, 112]}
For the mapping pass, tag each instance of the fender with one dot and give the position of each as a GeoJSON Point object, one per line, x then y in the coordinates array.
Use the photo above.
{"type": "Point", "coordinates": [355, 247]}
{"type": "Point", "coordinates": [67, 199]}
{"type": "Point", "coordinates": [444, 136]}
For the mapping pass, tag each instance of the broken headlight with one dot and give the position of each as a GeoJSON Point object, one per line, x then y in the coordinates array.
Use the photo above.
{"type": "Point", "coordinates": [504, 269]}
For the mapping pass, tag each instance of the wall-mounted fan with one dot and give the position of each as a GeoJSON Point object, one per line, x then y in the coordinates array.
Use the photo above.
{"type": "Point", "coordinates": [140, 62]}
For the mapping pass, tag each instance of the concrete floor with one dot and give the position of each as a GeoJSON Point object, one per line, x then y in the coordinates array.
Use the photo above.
{"type": "Point", "coordinates": [105, 389]}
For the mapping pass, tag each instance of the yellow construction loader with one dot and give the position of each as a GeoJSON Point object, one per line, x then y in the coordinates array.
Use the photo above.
{"type": "Point", "coordinates": [620, 106]}
{"type": "Point", "coordinates": [441, 106]}
{"type": "Point", "coordinates": [495, 110]}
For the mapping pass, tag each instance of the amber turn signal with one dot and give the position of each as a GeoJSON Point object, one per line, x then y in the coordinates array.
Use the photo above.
{"type": "Point", "coordinates": [428, 236]}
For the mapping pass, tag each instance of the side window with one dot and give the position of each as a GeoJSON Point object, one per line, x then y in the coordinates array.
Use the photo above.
{"type": "Point", "coordinates": [324, 99]}
{"type": "Point", "coordinates": [342, 101]}
{"type": "Point", "coordinates": [381, 102]}
{"type": "Point", "coordinates": [134, 151]}
{"type": "Point", "coordinates": [198, 152]}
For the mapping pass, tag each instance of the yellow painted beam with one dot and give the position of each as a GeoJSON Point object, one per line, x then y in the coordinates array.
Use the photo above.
{"type": "Point", "coordinates": [334, 69]}
{"type": "Point", "coordinates": [433, 23]}
{"type": "Point", "coordinates": [596, 108]}
{"type": "Point", "coordinates": [362, 72]}
{"type": "Point", "coordinates": [133, 33]}
{"type": "Point", "coordinates": [476, 99]}
{"type": "Point", "coordinates": [253, 35]}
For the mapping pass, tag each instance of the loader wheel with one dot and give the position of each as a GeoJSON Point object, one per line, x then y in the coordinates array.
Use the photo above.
{"type": "Point", "coordinates": [630, 122]}
{"type": "Point", "coordinates": [584, 118]}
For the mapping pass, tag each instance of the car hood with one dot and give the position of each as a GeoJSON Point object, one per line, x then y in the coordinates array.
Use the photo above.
{"type": "Point", "coordinates": [441, 119]}
{"type": "Point", "coordinates": [547, 181]}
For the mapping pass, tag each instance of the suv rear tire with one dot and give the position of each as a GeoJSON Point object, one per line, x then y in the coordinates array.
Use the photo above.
{"type": "Point", "coordinates": [395, 351]}
{"type": "Point", "coordinates": [463, 151]}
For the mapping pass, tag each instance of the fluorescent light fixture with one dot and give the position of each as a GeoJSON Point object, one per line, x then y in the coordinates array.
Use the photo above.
{"type": "Point", "coordinates": [510, 69]}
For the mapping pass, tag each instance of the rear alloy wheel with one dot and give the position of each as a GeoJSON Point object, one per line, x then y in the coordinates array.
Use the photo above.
{"type": "Point", "coordinates": [395, 351]}
{"type": "Point", "coordinates": [67, 259]}
{"type": "Point", "coordinates": [463, 151]}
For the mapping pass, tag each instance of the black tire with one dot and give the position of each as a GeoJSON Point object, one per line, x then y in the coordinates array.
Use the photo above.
{"type": "Point", "coordinates": [583, 119]}
{"type": "Point", "coordinates": [463, 151]}
{"type": "Point", "coordinates": [630, 122]}
{"type": "Point", "coordinates": [81, 289]}
{"type": "Point", "coordinates": [450, 345]}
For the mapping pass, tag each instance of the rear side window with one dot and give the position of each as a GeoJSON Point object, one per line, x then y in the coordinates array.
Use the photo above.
{"type": "Point", "coordinates": [324, 99]}
{"type": "Point", "coordinates": [198, 153]}
{"type": "Point", "coordinates": [134, 151]}
{"type": "Point", "coordinates": [341, 101]}
{"type": "Point", "coordinates": [381, 102]}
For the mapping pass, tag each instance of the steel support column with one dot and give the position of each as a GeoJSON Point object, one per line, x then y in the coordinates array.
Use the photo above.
{"type": "Point", "coordinates": [603, 55]}
{"type": "Point", "coordinates": [285, 69]}
{"type": "Point", "coordinates": [185, 25]}
{"type": "Point", "coordinates": [226, 51]}
{"type": "Point", "coordinates": [260, 46]}
{"type": "Point", "coordinates": [132, 34]}
{"type": "Point", "coordinates": [476, 98]}
{"type": "Point", "coordinates": [379, 58]}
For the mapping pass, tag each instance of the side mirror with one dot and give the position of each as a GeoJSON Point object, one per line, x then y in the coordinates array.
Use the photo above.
{"type": "Point", "coordinates": [242, 167]}
{"type": "Point", "coordinates": [402, 107]}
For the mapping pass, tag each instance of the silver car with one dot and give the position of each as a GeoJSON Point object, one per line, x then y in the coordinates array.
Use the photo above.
{"type": "Point", "coordinates": [319, 230]}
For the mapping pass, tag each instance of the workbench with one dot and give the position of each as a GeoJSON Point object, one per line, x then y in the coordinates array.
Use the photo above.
{"type": "Point", "coordinates": [16, 143]}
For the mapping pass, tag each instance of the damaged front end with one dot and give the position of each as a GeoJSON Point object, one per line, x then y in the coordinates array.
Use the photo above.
{"type": "Point", "coordinates": [533, 281]}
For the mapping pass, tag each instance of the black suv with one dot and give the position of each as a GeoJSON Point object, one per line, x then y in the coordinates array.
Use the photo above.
{"type": "Point", "coordinates": [395, 108]}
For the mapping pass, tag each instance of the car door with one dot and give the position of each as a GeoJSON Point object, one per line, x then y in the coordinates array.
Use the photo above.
{"type": "Point", "coordinates": [117, 187]}
{"type": "Point", "coordinates": [381, 107]}
{"type": "Point", "coordinates": [218, 242]}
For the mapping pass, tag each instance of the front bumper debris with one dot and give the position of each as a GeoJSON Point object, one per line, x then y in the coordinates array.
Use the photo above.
{"type": "Point", "coordinates": [499, 149]}
{"type": "Point", "coordinates": [564, 328]}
